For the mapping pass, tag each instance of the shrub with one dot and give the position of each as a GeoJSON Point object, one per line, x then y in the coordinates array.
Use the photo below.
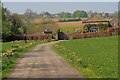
{"type": "Point", "coordinates": [69, 20]}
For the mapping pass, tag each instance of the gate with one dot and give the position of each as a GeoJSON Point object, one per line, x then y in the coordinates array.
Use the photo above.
{"type": "Point", "coordinates": [63, 36]}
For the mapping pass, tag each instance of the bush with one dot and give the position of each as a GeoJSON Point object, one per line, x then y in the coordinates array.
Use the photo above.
{"type": "Point", "coordinates": [69, 20]}
{"type": "Point", "coordinates": [49, 40]}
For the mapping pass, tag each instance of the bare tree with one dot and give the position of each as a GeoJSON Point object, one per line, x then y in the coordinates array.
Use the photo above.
{"type": "Point", "coordinates": [28, 20]}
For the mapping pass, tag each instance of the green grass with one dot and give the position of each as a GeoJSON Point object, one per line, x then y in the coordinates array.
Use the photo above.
{"type": "Point", "coordinates": [9, 45]}
{"type": "Point", "coordinates": [9, 61]}
{"type": "Point", "coordinates": [70, 29]}
{"type": "Point", "coordinates": [93, 57]}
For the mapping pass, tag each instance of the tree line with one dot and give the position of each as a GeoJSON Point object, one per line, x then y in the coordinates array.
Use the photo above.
{"type": "Point", "coordinates": [13, 25]}
{"type": "Point", "coordinates": [75, 14]}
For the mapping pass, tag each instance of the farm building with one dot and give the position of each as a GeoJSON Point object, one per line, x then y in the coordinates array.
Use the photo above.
{"type": "Point", "coordinates": [96, 23]}
{"type": "Point", "coordinates": [115, 29]}
{"type": "Point", "coordinates": [114, 21]}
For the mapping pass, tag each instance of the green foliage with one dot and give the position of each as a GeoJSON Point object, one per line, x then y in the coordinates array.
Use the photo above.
{"type": "Point", "coordinates": [103, 27]}
{"type": "Point", "coordinates": [69, 19]}
{"type": "Point", "coordinates": [80, 14]}
{"type": "Point", "coordinates": [0, 13]}
{"type": "Point", "coordinates": [85, 29]}
{"type": "Point", "coordinates": [93, 57]}
{"type": "Point", "coordinates": [106, 15]}
{"type": "Point", "coordinates": [16, 23]}
{"type": "Point", "coordinates": [6, 29]}
{"type": "Point", "coordinates": [12, 25]}
{"type": "Point", "coordinates": [49, 40]}
{"type": "Point", "coordinates": [66, 15]}
{"type": "Point", "coordinates": [46, 14]}
{"type": "Point", "coordinates": [21, 30]}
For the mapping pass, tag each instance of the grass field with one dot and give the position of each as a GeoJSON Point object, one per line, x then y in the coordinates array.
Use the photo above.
{"type": "Point", "coordinates": [13, 51]}
{"type": "Point", "coordinates": [67, 29]}
{"type": "Point", "coordinates": [93, 57]}
{"type": "Point", "coordinates": [10, 45]}
{"type": "Point", "coordinates": [70, 27]}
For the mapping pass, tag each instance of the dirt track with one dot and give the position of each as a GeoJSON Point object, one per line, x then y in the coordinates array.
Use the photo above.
{"type": "Point", "coordinates": [43, 62]}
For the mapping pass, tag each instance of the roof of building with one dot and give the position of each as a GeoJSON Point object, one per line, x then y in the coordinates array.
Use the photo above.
{"type": "Point", "coordinates": [96, 18]}
{"type": "Point", "coordinates": [115, 19]}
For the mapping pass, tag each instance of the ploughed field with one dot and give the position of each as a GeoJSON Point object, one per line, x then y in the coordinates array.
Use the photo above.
{"type": "Point", "coordinates": [93, 57]}
{"type": "Point", "coordinates": [68, 27]}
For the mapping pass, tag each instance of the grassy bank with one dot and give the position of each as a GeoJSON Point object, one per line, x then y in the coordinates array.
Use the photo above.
{"type": "Point", "coordinates": [93, 57]}
{"type": "Point", "coordinates": [12, 51]}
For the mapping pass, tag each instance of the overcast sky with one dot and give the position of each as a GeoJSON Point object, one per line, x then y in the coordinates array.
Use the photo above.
{"type": "Point", "coordinates": [56, 7]}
